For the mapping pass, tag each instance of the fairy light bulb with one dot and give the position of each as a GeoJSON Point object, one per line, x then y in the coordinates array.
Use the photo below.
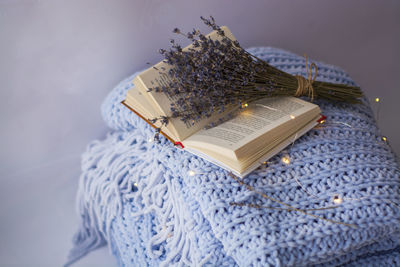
{"type": "Point", "coordinates": [322, 121]}
{"type": "Point", "coordinates": [377, 100]}
{"type": "Point", "coordinates": [245, 105]}
{"type": "Point", "coordinates": [150, 140]}
{"type": "Point", "coordinates": [286, 160]}
{"type": "Point", "coordinates": [265, 163]}
{"type": "Point", "coordinates": [384, 139]}
{"type": "Point", "coordinates": [337, 200]}
{"type": "Point", "coordinates": [191, 173]}
{"type": "Point", "coordinates": [134, 187]}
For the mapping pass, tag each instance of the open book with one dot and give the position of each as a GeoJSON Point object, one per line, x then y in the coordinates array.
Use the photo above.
{"type": "Point", "coordinates": [240, 144]}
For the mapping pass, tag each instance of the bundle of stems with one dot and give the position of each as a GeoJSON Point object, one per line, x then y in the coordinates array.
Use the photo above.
{"type": "Point", "coordinates": [215, 74]}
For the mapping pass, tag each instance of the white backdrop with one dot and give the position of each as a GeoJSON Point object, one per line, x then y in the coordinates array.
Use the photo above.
{"type": "Point", "coordinates": [59, 59]}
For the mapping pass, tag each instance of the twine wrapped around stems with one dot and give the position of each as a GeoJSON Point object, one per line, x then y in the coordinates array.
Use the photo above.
{"type": "Point", "coordinates": [305, 85]}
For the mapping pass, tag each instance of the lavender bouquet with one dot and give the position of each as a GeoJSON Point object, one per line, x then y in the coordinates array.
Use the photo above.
{"type": "Point", "coordinates": [216, 74]}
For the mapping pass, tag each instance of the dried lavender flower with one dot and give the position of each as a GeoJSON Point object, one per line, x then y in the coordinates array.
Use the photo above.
{"type": "Point", "coordinates": [217, 74]}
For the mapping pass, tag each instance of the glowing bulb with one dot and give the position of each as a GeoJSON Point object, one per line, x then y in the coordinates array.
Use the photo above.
{"type": "Point", "coordinates": [292, 116]}
{"type": "Point", "coordinates": [384, 138]}
{"type": "Point", "coordinates": [150, 140]}
{"type": "Point", "coordinates": [265, 163]}
{"type": "Point", "coordinates": [337, 200]}
{"type": "Point", "coordinates": [135, 187]}
{"type": "Point", "coordinates": [322, 121]}
{"type": "Point", "coordinates": [286, 160]}
{"type": "Point", "coordinates": [191, 173]}
{"type": "Point", "coordinates": [377, 100]}
{"type": "Point", "coordinates": [245, 105]}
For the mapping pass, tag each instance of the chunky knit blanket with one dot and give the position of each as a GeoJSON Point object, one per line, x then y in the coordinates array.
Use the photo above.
{"type": "Point", "coordinates": [138, 196]}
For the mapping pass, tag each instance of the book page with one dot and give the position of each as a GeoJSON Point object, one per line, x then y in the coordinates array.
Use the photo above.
{"type": "Point", "coordinates": [242, 168]}
{"type": "Point", "coordinates": [162, 103]}
{"type": "Point", "coordinates": [137, 101]}
{"type": "Point", "coordinates": [268, 115]}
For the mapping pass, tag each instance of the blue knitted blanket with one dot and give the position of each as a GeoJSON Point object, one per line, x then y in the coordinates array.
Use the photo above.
{"type": "Point", "coordinates": [138, 196]}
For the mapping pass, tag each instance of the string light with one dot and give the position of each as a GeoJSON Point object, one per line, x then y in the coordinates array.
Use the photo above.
{"type": "Point", "coordinates": [245, 105]}
{"type": "Point", "coordinates": [336, 122]}
{"type": "Point", "coordinates": [294, 139]}
{"type": "Point", "coordinates": [377, 100]}
{"type": "Point", "coordinates": [134, 187]}
{"type": "Point", "coordinates": [267, 107]}
{"type": "Point", "coordinates": [191, 173]}
{"type": "Point", "coordinates": [150, 140]}
{"type": "Point", "coordinates": [289, 207]}
{"type": "Point", "coordinates": [265, 163]}
{"type": "Point", "coordinates": [286, 160]}
{"type": "Point", "coordinates": [337, 200]}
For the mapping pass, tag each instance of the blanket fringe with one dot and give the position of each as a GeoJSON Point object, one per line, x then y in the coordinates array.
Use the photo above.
{"type": "Point", "coordinates": [107, 181]}
{"type": "Point", "coordinates": [98, 198]}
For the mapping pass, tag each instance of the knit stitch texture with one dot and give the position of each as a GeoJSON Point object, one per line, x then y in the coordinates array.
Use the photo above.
{"type": "Point", "coordinates": [137, 195]}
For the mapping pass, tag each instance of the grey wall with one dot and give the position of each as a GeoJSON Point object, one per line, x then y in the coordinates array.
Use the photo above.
{"type": "Point", "coordinates": [58, 60]}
